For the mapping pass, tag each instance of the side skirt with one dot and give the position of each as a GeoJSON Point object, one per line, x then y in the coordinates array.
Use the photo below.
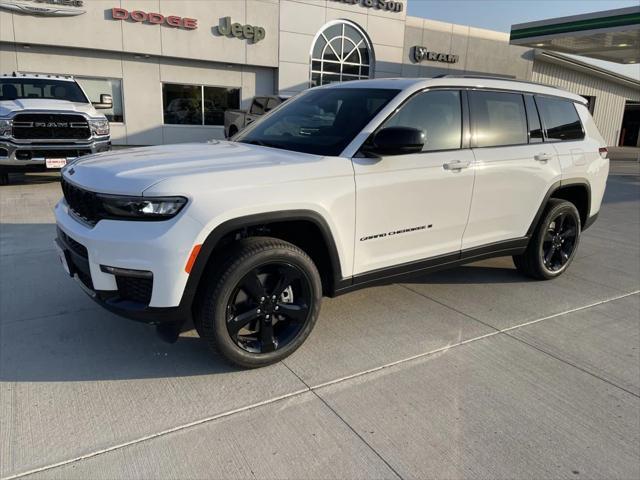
{"type": "Point", "coordinates": [397, 273]}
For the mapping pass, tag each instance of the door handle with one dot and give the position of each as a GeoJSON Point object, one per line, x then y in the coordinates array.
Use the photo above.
{"type": "Point", "coordinates": [455, 165]}
{"type": "Point", "coordinates": [542, 157]}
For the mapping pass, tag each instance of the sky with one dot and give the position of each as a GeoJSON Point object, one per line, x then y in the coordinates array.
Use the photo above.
{"type": "Point", "coordinates": [501, 14]}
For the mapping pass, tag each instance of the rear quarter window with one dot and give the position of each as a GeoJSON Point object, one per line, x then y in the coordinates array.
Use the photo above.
{"type": "Point", "coordinates": [560, 119]}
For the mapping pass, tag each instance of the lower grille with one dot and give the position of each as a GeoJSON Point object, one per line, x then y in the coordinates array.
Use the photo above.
{"type": "Point", "coordinates": [77, 247]}
{"type": "Point", "coordinates": [135, 289]}
{"type": "Point", "coordinates": [58, 153]}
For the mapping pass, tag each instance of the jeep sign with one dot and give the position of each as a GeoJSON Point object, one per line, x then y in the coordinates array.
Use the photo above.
{"type": "Point", "coordinates": [248, 32]}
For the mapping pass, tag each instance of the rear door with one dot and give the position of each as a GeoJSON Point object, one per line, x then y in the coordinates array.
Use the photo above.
{"type": "Point", "coordinates": [514, 167]}
{"type": "Point", "coordinates": [415, 206]}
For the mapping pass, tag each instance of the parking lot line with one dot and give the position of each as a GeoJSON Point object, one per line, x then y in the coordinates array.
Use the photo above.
{"type": "Point", "coordinates": [316, 387]}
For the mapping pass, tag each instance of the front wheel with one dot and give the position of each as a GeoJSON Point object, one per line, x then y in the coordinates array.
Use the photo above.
{"type": "Point", "coordinates": [262, 304]}
{"type": "Point", "coordinates": [554, 242]}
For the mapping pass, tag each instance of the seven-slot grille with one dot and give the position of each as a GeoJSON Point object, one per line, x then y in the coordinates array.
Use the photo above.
{"type": "Point", "coordinates": [83, 203]}
{"type": "Point", "coordinates": [50, 126]}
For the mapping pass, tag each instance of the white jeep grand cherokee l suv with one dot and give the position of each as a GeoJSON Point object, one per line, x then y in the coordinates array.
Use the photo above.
{"type": "Point", "coordinates": [342, 187]}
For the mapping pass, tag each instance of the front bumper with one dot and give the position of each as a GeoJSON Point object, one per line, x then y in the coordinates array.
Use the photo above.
{"type": "Point", "coordinates": [93, 253]}
{"type": "Point", "coordinates": [31, 156]}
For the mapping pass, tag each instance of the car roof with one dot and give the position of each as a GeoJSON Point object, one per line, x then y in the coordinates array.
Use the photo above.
{"type": "Point", "coordinates": [33, 76]}
{"type": "Point", "coordinates": [496, 83]}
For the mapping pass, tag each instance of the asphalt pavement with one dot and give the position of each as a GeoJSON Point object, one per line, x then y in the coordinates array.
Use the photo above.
{"type": "Point", "coordinates": [475, 372]}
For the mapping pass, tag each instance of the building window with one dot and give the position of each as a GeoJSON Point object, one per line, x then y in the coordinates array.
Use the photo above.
{"type": "Point", "coordinates": [94, 87]}
{"type": "Point", "coordinates": [197, 104]}
{"type": "Point", "coordinates": [341, 52]}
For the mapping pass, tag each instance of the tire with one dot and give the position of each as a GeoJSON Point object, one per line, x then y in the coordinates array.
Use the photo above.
{"type": "Point", "coordinates": [261, 304]}
{"type": "Point", "coordinates": [554, 242]}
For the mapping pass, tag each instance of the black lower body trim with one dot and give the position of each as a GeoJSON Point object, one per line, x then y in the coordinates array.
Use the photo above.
{"type": "Point", "coordinates": [590, 221]}
{"type": "Point", "coordinates": [409, 270]}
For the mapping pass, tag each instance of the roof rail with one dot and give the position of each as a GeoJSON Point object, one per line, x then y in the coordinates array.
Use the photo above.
{"type": "Point", "coordinates": [492, 77]}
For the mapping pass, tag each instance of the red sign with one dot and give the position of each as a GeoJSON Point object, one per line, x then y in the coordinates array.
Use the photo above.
{"type": "Point", "coordinates": [154, 18]}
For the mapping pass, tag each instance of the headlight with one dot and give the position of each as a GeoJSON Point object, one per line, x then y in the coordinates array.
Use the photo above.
{"type": "Point", "coordinates": [99, 127]}
{"type": "Point", "coordinates": [5, 128]}
{"type": "Point", "coordinates": [141, 208]}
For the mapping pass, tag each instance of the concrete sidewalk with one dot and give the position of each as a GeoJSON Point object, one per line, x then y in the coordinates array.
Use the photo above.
{"type": "Point", "coordinates": [471, 373]}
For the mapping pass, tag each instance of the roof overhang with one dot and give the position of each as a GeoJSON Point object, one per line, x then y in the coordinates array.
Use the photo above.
{"type": "Point", "coordinates": [612, 35]}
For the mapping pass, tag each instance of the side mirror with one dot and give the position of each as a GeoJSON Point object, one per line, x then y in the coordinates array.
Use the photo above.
{"type": "Point", "coordinates": [106, 101]}
{"type": "Point", "coordinates": [395, 141]}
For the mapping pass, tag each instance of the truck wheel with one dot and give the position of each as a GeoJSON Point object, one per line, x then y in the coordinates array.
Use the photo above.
{"type": "Point", "coordinates": [262, 304]}
{"type": "Point", "coordinates": [4, 178]}
{"type": "Point", "coordinates": [554, 242]}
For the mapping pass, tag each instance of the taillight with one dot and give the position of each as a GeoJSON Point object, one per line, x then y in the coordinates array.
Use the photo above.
{"type": "Point", "coordinates": [603, 152]}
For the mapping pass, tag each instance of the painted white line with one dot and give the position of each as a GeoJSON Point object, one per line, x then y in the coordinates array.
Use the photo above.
{"type": "Point", "coordinates": [305, 390]}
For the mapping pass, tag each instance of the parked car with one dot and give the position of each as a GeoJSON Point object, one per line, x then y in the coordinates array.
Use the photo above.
{"type": "Point", "coordinates": [47, 120]}
{"type": "Point", "coordinates": [345, 186]}
{"type": "Point", "coordinates": [236, 120]}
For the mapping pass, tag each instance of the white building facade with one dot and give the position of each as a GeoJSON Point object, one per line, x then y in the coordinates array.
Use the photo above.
{"type": "Point", "coordinates": [174, 66]}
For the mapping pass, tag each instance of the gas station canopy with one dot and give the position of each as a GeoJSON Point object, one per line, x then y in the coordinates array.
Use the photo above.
{"type": "Point", "coordinates": [612, 35]}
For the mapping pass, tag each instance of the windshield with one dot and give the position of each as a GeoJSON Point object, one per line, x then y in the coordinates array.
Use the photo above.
{"type": "Point", "coordinates": [16, 88]}
{"type": "Point", "coordinates": [321, 122]}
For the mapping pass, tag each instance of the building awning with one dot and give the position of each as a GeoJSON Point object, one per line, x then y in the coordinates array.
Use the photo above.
{"type": "Point", "coordinates": [612, 35]}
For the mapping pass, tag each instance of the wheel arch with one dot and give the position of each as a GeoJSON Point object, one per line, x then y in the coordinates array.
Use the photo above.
{"type": "Point", "coordinates": [574, 190]}
{"type": "Point", "coordinates": [296, 226]}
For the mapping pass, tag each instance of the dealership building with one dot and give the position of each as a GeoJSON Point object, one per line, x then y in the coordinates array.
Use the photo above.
{"type": "Point", "coordinates": [174, 66]}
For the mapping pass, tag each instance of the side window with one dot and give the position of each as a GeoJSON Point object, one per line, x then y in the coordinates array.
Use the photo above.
{"type": "Point", "coordinates": [271, 104]}
{"type": "Point", "coordinates": [257, 107]}
{"type": "Point", "coordinates": [535, 129]}
{"type": "Point", "coordinates": [438, 114]}
{"type": "Point", "coordinates": [560, 119]}
{"type": "Point", "coordinates": [498, 119]}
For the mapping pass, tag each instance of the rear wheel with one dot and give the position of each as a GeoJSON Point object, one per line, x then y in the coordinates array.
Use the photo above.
{"type": "Point", "coordinates": [262, 304]}
{"type": "Point", "coordinates": [554, 242]}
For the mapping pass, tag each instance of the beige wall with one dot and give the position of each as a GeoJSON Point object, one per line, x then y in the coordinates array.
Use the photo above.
{"type": "Point", "coordinates": [142, 85]}
{"type": "Point", "coordinates": [610, 96]}
{"type": "Point", "coordinates": [96, 30]}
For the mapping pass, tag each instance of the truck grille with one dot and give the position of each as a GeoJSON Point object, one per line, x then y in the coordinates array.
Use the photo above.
{"type": "Point", "coordinates": [83, 203]}
{"type": "Point", "coordinates": [50, 126]}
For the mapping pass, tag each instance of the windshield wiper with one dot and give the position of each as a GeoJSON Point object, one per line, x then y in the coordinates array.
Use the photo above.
{"type": "Point", "coordinates": [261, 143]}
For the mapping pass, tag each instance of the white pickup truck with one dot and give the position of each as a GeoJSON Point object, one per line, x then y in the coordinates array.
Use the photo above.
{"type": "Point", "coordinates": [236, 120]}
{"type": "Point", "coordinates": [344, 186]}
{"type": "Point", "coordinates": [47, 120]}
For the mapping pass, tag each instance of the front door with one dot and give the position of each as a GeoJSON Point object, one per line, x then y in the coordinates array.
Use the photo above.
{"type": "Point", "coordinates": [415, 206]}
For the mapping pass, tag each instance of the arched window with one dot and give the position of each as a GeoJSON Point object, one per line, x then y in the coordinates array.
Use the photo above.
{"type": "Point", "coordinates": [341, 52]}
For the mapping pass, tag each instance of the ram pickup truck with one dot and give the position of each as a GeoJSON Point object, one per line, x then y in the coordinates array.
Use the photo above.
{"type": "Point", "coordinates": [47, 120]}
{"type": "Point", "coordinates": [236, 120]}
{"type": "Point", "coordinates": [344, 186]}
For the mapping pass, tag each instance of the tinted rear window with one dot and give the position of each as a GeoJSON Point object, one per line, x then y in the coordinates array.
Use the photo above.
{"type": "Point", "coordinates": [560, 119]}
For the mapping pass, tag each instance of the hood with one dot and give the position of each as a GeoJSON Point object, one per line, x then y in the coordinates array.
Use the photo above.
{"type": "Point", "coordinates": [132, 171]}
{"type": "Point", "coordinates": [23, 104]}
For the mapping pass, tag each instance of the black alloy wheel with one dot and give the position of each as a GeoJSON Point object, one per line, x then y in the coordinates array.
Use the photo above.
{"type": "Point", "coordinates": [269, 307]}
{"type": "Point", "coordinates": [259, 302]}
{"type": "Point", "coordinates": [554, 242]}
{"type": "Point", "coordinates": [559, 242]}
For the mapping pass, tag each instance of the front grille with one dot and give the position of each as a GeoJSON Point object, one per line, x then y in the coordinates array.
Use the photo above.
{"type": "Point", "coordinates": [50, 126]}
{"type": "Point", "coordinates": [57, 153]}
{"type": "Point", "coordinates": [77, 247]}
{"type": "Point", "coordinates": [135, 289]}
{"type": "Point", "coordinates": [83, 203]}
